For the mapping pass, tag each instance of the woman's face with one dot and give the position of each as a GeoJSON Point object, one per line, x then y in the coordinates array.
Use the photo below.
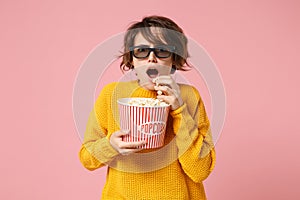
{"type": "Point", "coordinates": [149, 67]}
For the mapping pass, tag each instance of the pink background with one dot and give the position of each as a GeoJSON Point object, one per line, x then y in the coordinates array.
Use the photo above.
{"type": "Point", "coordinates": [255, 45]}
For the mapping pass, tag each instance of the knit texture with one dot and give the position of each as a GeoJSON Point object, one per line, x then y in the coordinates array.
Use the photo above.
{"type": "Point", "coordinates": [174, 171]}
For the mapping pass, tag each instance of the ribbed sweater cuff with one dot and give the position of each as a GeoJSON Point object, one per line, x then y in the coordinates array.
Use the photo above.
{"type": "Point", "coordinates": [177, 117]}
{"type": "Point", "coordinates": [103, 150]}
{"type": "Point", "coordinates": [178, 111]}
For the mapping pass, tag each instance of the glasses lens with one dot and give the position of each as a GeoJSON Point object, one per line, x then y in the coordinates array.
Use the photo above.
{"type": "Point", "coordinates": [162, 52]}
{"type": "Point", "coordinates": [141, 52]}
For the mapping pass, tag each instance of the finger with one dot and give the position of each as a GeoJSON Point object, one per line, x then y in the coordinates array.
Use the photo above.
{"type": "Point", "coordinates": [131, 145]}
{"type": "Point", "coordinates": [165, 98]}
{"type": "Point", "coordinates": [121, 133]}
{"type": "Point", "coordinates": [166, 90]}
{"type": "Point", "coordinates": [162, 88]}
{"type": "Point", "coordinates": [167, 82]}
{"type": "Point", "coordinates": [163, 78]}
{"type": "Point", "coordinates": [171, 100]}
{"type": "Point", "coordinates": [126, 152]}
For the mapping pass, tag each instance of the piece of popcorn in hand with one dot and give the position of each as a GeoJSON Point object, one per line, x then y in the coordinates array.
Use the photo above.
{"type": "Point", "coordinates": [159, 92]}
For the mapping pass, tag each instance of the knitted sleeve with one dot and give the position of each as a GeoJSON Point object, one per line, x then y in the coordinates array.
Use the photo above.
{"type": "Point", "coordinates": [96, 150]}
{"type": "Point", "coordinates": [193, 137]}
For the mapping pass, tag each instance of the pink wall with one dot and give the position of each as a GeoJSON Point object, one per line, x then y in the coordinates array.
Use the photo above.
{"type": "Point", "coordinates": [255, 45]}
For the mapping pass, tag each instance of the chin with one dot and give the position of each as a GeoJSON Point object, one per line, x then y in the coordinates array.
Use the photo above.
{"type": "Point", "coordinates": [148, 86]}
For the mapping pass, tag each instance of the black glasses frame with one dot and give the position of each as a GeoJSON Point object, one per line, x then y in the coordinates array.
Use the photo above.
{"type": "Point", "coordinates": [170, 49]}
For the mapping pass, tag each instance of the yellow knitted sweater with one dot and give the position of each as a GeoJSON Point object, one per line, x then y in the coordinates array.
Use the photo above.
{"type": "Point", "coordinates": [174, 171]}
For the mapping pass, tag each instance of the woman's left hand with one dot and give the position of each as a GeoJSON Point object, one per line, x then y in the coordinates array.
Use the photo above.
{"type": "Point", "coordinates": [170, 91]}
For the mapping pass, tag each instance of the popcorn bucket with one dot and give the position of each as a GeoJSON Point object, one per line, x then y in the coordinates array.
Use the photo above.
{"type": "Point", "coordinates": [146, 119]}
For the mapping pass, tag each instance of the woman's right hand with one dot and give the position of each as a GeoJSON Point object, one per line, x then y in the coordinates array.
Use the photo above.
{"type": "Point", "coordinates": [124, 148]}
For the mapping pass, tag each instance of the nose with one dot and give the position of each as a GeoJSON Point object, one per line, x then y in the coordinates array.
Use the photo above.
{"type": "Point", "coordinates": [152, 57]}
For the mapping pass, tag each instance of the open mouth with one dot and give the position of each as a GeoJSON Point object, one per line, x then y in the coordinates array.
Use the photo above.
{"type": "Point", "coordinates": [152, 73]}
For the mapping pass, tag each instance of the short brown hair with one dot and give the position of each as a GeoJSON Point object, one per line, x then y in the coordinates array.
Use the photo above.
{"type": "Point", "coordinates": [171, 34]}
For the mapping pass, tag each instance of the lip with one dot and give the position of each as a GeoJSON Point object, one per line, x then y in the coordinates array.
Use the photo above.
{"type": "Point", "coordinates": [152, 72]}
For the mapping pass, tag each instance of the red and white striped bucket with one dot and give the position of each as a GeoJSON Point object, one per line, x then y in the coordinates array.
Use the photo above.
{"type": "Point", "coordinates": [144, 122]}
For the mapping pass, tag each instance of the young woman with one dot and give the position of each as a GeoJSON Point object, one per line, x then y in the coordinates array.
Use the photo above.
{"type": "Point", "coordinates": [154, 48]}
